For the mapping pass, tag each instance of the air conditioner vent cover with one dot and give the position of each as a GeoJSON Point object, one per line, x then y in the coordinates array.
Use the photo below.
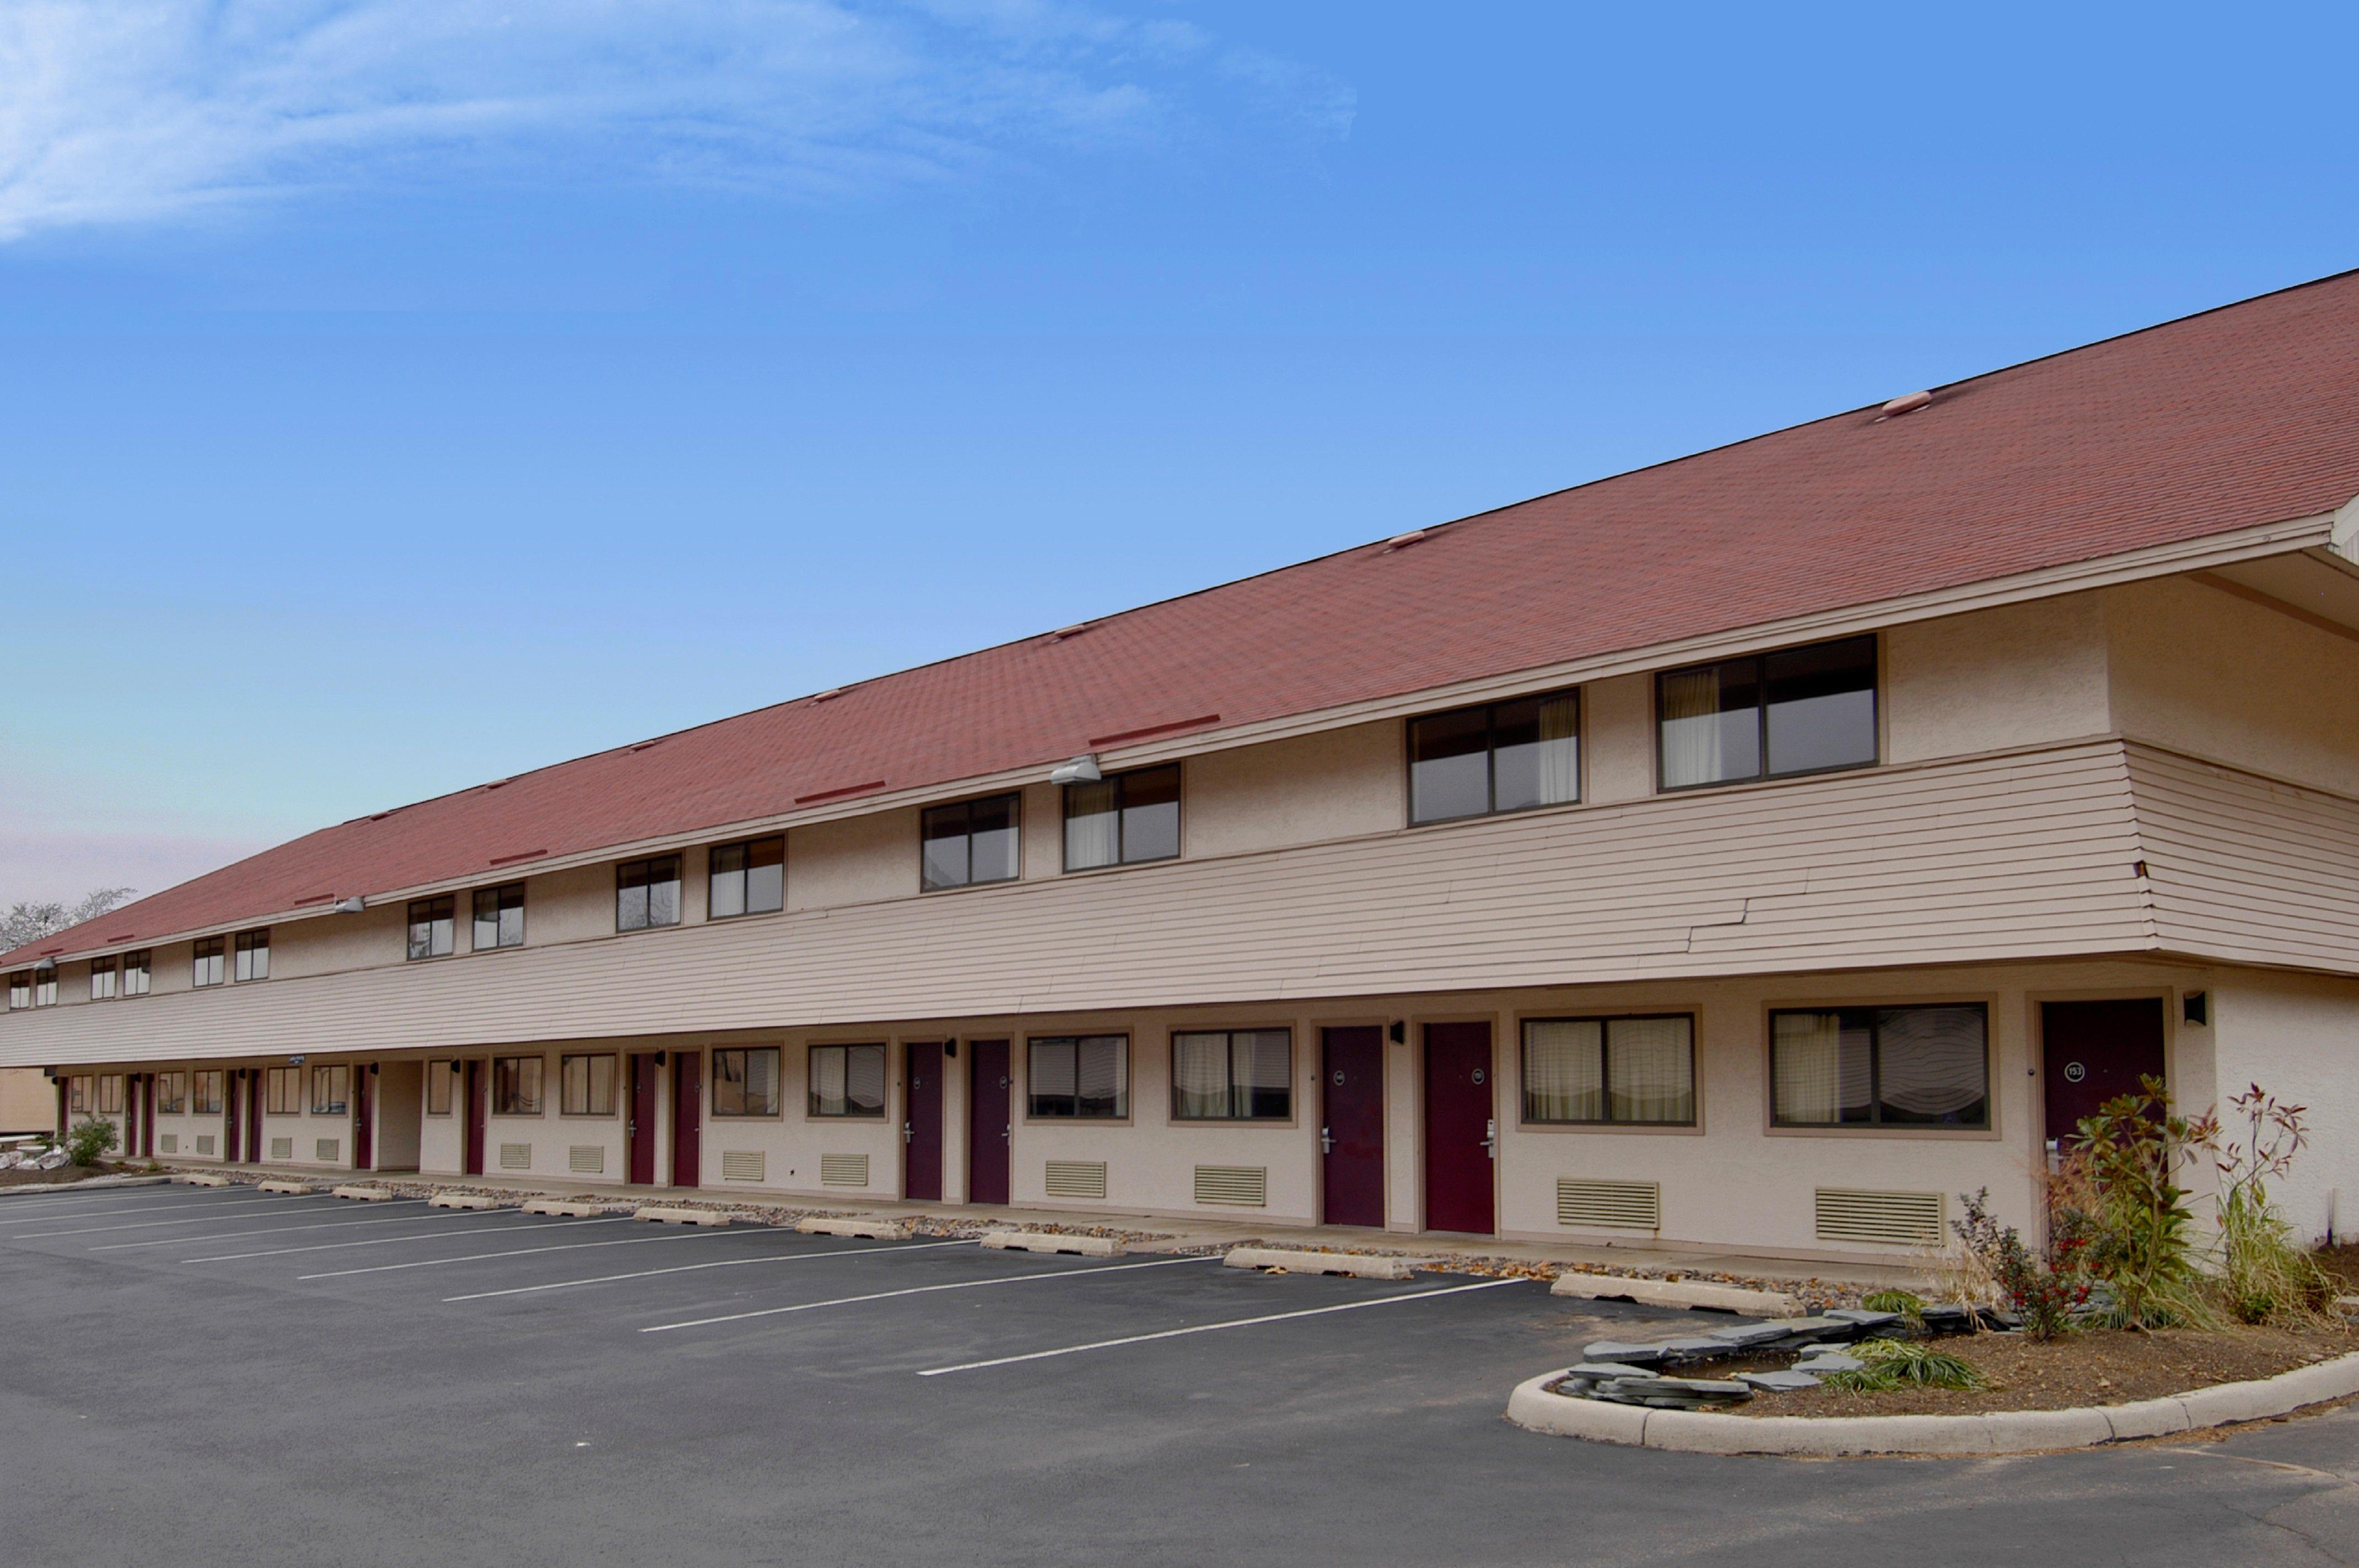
{"type": "Point", "coordinates": [1075, 1178]}
{"type": "Point", "coordinates": [747, 1165]}
{"type": "Point", "coordinates": [834, 1170]}
{"type": "Point", "coordinates": [515, 1157]}
{"type": "Point", "coordinates": [1883, 1219]}
{"type": "Point", "coordinates": [1238, 1186]}
{"type": "Point", "coordinates": [586, 1159]}
{"type": "Point", "coordinates": [1609, 1205]}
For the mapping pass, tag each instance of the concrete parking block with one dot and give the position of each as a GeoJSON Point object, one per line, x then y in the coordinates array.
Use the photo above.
{"type": "Point", "coordinates": [1359, 1264]}
{"type": "Point", "coordinates": [462, 1200]}
{"type": "Point", "coordinates": [1675, 1293]}
{"type": "Point", "coordinates": [363, 1195]}
{"type": "Point", "coordinates": [292, 1189]}
{"type": "Point", "coordinates": [200, 1179]}
{"type": "Point", "coordinates": [873, 1230]}
{"type": "Point", "coordinates": [571, 1208]}
{"type": "Point", "coordinates": [1050, 1241]}
{"type": "Point", "coordinates": [681, 1217]}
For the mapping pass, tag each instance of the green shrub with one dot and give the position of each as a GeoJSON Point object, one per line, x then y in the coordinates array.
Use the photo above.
{"type": "Point", "coordinates": [2137, 1224]}
{"type": "Point", "coordinates": [2046, 1292]}
{"type": "Point", "coordinates": [1903, 1363]}
{"type": "Point", "coordinates": [1908, 1303]}
{"type": "Point", "coordinates": [2262, 1273]}
{"type": "Point", "coordinates": [91, 1136]}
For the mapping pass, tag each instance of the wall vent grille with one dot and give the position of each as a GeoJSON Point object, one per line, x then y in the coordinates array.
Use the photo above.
{"type": "Point", "coordinates": [168, 1143]}
{"type": "Point", "coordinates": [589, 1159]}
{"type": "Point", "coordinates": [834, 1170]}
{"type": "Point", "coordinates": [1609, 1205]}
{"type": "Point", "coordinates": [515, 1157]}
{"type": "Point", "coordinates": [1239, 1186]}
{"type": "Point", "coordinates": [1885, 1219]}
{"type": "Point", "coordinates": [329, 1149]}
{"type": "Point", "coordinates": [747, 1164]}
{"type": "Point", "coordinates": [205, 1143]}
{"type": "Point", "coordinates": [1075, 1178]}
{"type": "Point", "coordinates": [282, 1149]}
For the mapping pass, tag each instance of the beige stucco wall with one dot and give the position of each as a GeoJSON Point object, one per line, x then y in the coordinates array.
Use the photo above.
{"type": "Point", "coordinates": [852, 860]}
{"type": "Point", "coordinates": [2019, 675]}
{"type": "Point", "coordinates": [1337, 784]}
{"type": "Point", "coordinates": [29, 1101]}
{"type": "Point", "coordinates": [2298, 1038]}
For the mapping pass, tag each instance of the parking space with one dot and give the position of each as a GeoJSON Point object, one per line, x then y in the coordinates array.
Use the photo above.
{"type": "Point", "coordinates": [268, 1373]}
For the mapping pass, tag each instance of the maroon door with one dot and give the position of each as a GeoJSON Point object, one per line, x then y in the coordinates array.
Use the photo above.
{"type": "Point", "coordinates": [1352, 1125]}
{"type": "Point", "coordinates": [641, 1128]}
{"type": "Point", "coordinates": [130, 1115]}
{"type": "Point", "coordinates": [988, 1125]}
{"type": "Point", "coordinates": [687, 1117]}
{"type": "Point", "coordinates": [922, 1132]}
{"type": "Point", "coordinates": [147, 1115]}
{"type": "Point", "coordinates": [2092, 1051]}
{"type": "Point", "coordinates": [364, 1115]}
{"type": "Point", "coordinates": [1459, 1134]}
{"type": "Point", "coordinates": [254, 1115]}
{"type": "Point", "coordinates": [478, 1096]}
{"type": "Point", "coordinates": [231, 1098]}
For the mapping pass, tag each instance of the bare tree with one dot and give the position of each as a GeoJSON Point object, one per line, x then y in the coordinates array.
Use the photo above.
{"type": "Point", "coordinates": [31, 922]}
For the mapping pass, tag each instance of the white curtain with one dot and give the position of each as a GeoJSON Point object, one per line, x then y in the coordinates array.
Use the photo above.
{"type": "Point", "coordinates": [1805, 1053]}
{"type": "Point", "coordinates": [1090, 824]}
{"type": "Point", "coordinates": [1692, 726]}
{"type": "Point", "coordinates": [1931, 1063]}
{"type": "Point", "coordinates": [826, 1081]}
{"type": "Point", "coordinates": [1199, 1073]}
{"type": "Point", "coordinates": [1560, 757]}
{"type": "Point", "coordinates": [1650, 1068]}
{"type": "Point", "coordinates": [1564, 1078]}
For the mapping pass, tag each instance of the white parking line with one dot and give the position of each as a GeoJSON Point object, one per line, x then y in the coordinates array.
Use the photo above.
{"type": "Point", "coordinates": [86, 1208]}
{"type": "Point", "coordinates": [923, 1290]}
{"type": "Point", "coordinates": [148, 1225]}
{"type": "Point", "coordinates": [273, 1230]}
{"type": "Point", "coordinates": [691, 1234]}
{"type": "Point", "coordinates": [1216, 1327]}
{"type": "Point", "coordinates": [690, 1268]}
{"type": "Point", "coordinates": [183, 1206]}
{"type": "Point", "coordinates": [386, 1240]}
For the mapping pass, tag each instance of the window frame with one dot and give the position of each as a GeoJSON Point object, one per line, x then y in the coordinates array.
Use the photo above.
{"type": "Point", "coordinates": [440, 1071]}
{"type": "Point", "coordinates": [112, 1088]}
{"type": "Point", "coordinates": [208, 1091]}
{"type": "Point", "coordinates": [1878, 1128]}
{"type": "Point", "coordinates": [105, 966]}
{"type": "Point", "coordinates": [778, 1084]}
{"type": "Point", "coordinates": [145, 967]}
{"type": "Point", "coordinates": [332, 1104]}
{"type": "Point", "coordinates": [449, 905]}
{"type": "Point", "coordinates": [1491, 757]}
{"type": "Point", "coordinates": [1760, 662]}
{"type": "Point", "coordinates": [45, 986]}
{"type": "Point", "coordinates": [538, 1072]}
{"type": "Point", "coordinates": [1121, 833]}
{"type": "Point", "coordinates": [746, 872]}
{"type": "Point", "coordinates": [81, 1093]}
{"type": "Point", "coordinates": [500, 906]}
{"type": "Point", "coordinates": [172, 1092]}
{"type": "Point", "coordinates": [282, 1091]}
{"type": "Point", "coordinates": [1181, 1118]}
{"type": "Point", "coordinates": [623, 869]}
{"type": "Point", "coordinates": [1015, 799]}
{"type": "Point", "coordinates": [1032, 1112]}
{"type": "Point", "coordinates": [884, 1081]}
{"type": "Point", "coordinates": [1524, 1118]}
{"type": "Point", "coordinates": [590, 1084]}
{"type": "Point", "coordinates": [247, 969]}
{"type": "Point", "coordinates": [20, 990]}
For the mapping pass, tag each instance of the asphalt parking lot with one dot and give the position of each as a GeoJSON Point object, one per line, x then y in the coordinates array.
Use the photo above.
{"type": "Point", "coordinates": [213, 1376]}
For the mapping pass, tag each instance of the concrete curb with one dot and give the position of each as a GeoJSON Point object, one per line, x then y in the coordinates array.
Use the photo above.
{"type": "Point", "coordinates": [871, 1230]}
{"type": "Point", "coordinates": [1359, 1264]}
{"type": "Point", "coordinates": [362, 1194]}
{"type": "Point", "coordinates": [1532, 1407]}
{"type": "Point", "coordinates": [1677, 1293]}
{"type": "Point", "coordinates": [462, 1200]}
{"type": "Point", "coordinates": [681, 1217]}
{"type": "Point", "coordinates": [1052, 1241]}
{"type": "Point", "coordinates": [290, 1189]}
{"type": "Point", "coordinates": [570, 1208]}
{"type": "Point", "coordinates": [103, 1183]}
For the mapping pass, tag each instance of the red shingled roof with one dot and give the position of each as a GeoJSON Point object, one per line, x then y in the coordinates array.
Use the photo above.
{"type": "Point", "coordinates": [2239, 417]}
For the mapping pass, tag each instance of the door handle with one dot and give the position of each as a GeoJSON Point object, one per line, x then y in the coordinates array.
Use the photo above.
{"type": "Point", "coordinates": [1491, 1138]}
{"type": "Point", "coordinates": [1326, 1141]}
{"type": "Point", "coordinates": [908, 1132]}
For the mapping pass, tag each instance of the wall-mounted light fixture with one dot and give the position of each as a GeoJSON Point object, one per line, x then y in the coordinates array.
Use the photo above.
{"type": "Point", "coordinates": [2196, 1008]}
{"type": "Point", "coordinates": [294, 1062]}
{"type": "Point", "coordinates": [1083, 769]}
{"type": "Point", "coordinates": [950, 1048]}
{"type": "Point", "coordinates": [659, 1058]}
{"type": "Point", "coordinates": [352, 905]}
{"type": "Point", "coordinates": [1398, 1032]}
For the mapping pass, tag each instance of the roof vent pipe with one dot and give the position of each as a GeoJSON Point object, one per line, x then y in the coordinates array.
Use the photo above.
{"type": "Point", "coordinates": [1907, 403]}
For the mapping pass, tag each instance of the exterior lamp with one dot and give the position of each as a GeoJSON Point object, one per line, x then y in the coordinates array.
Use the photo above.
{"type": "Point", "coordinates": [1083, 769]}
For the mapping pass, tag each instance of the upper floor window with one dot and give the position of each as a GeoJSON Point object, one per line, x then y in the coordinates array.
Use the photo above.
{"type": "Point", "coordinates": [847, 1080]}
{"type": "Point", "coordinates": [1880, 1066]}
{"type": "Point", "coordinates": [1633, 1069]}
{"type": "Point", "coordinates": [137, 970]}
{"type": "Point", "coordinates": [1080, 1075]}
{"type": "Point", "coordinates": [971, 842]}
{"type": "Point", "coordinates": [1119, 821]}
{"type": "Point", "coordinates": [499, 917]}
{"type": "Point", "coordinates": [20, 989]}
{"type": "Point", "coordinates": [283, 1090]}
{"type": "Point", "coordinates": [746, 1081]}
{"type": "Point", "coordinates": [747, 878]}
{"type": "Point", "coordinates": [433, 927]}
{"type": "Point", "coordinates": [254, 954]}
{"type": "Point", "coordinates": [102, 979]}
{"type": "Point", "coordinates": [110, 1095]}
{"type": "Point", "coordinates": [1507, 757]}
{"type": "Point", "coordinates": [515, 1085]}
{"type": "Point", "coordinates": [205, 968]}
{"type": "Point", "coordinates": [1804, 710]}
{"type": "Point", "coordinates": [331, 1087]}
{"type": "Point", "coordinates": [1233, 1075]}
{"type": "Point", "coordinates": [205, 1092]}
{"type": "Point", "coordinates": [45, 986]}
{"type": "Point", "coordinates": [172, 1093]}
{"type": "Point", "coordinates": [646, 893]}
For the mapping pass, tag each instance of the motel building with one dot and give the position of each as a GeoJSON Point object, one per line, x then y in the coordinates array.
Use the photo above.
{"type": "Point", "coordinates": [1751, 852]}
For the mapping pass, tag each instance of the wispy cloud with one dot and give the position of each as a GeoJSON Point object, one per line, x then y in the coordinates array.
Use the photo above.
{"type": "Point", "coordinates": [126, 110]}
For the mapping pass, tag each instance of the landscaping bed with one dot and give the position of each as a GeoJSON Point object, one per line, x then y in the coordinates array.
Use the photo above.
{"type": "Point", "coordinates": [26, 1176]}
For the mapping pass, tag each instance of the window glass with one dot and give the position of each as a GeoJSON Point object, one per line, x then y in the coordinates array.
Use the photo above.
{"type": "Point", "coordinates": [1508, 757]}
{"type": "Point", "coordinates": [283, 1090]}
{"type": "Point", "coordinates": [515, 1085]}
{"type": "Point", "coordinates": [1232, 1075]}
{"type": "Point", "coordinates": [20, 989]}
{"type": "Point", "coordinates": [1822, 705]}
{"type": "Point", "coordinates": [206, 967]}
{"type": "Point", "coordinates": [1128, 818]}
{"type": "Point", "coordinates": [646, 893]}
{"type": "Point", "coordinates": [499, 917]}
{"type": "Point", "coordinates": [1710, 719]}
{"type": "Point", "coordinates": [102, 979]}
{"type": "Point", "coordinates": [109, 1094]}
{"type": "Point", "coordinates": [136, 972]}
{"type": "Point", "coordinates": [45, 986]}
{"type": "Point", "coordinates": [746, 1081]}
{"type": "Point", "coordinates": [847, 1081]}
{"type": "Point", "coordinates": [967, 842]}
{"type": "Point", "coordinates": [1450, 766]}
{"type": "Point", "coordinates": [253, 955]}
{"type": "Point", "coordinates": [1890, 1066]}
{"type": "Point", "coordinates": [1639, 1070]}
{"type": "Point", "coordinates": [77, 1095]}
{"type": "Point", "coordinates": [433, 927]}
{"type": "Point", "coordinates": [172, 1093]}
{"type": "Point", "coordinates": [1080, 1076]}
{"type": "Point", "coordinates": [586, 1086]}
{"type": "Point", "coordinates": [439, 1077]}
{"type": "Point", "coordinates": [747, 878]}
{"type": "Point", "coordinates": [205, 1092]}
{"type": "Point", "coordinates": [331, 1089]}
{"type": "Point", "coordinates": [1564, 1070]}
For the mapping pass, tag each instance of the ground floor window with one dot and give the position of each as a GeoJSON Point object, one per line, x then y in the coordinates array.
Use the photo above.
{"type": "Point", "coordinates": [331, 1087]}
{"type": "Point", "coordinates": [586, 1085]}
{"type": "Point", "coordinates": [1635, 1070]}
{"type": "Point", "coordinates": [172, 1093]}
{"type": "Point", "coordinates": [1080, 1076]}
{"type": "Point", "coordinates": [1233, 1075]}
{"type": "Point", "coordinates": [205, 1092]}
{"type": "Point", "coordinates": [439, 1077]}
{"type": "Point", "coordinates": [515, 1085]}
{"type": "Point", "coordinates": [746, 1081]}
{"type": "Point", "coordinates": [110, 1095]}
{"type": "Point", "coordinates": [1881, 1066]}
{"type": "Point", "coordinates": [283, 1091]}
{"type": "Point", "coordinates": [77, 1095]}
{"type": "Point", "coordinates": [847, 1081]}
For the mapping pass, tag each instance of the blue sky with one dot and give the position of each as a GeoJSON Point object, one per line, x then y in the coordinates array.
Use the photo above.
{"type": "Point", "coordinates": [400, 394]}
